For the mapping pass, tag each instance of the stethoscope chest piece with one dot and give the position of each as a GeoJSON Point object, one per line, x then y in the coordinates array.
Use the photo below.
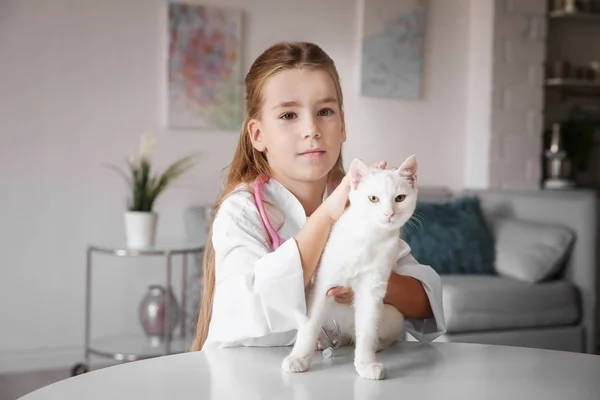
{"type": "Point", "coordinates": [328, 352]}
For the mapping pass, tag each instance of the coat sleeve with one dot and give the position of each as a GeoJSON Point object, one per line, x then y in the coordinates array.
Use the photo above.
{"type": "Point", "coordinates": [257, 292]}
{"type": "Point", "coordinates": [424, 330]}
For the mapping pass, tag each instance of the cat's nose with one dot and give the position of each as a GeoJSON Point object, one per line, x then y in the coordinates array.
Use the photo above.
{"type": "Point", "coordinates": [389, 214]}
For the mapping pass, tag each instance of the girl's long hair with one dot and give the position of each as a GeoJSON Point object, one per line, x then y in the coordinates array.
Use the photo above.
{"type": "Point", "coordinates": [248, 163]}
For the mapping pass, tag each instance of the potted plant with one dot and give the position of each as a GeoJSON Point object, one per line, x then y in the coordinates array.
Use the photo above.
{"type": "Point", "coordinates": [145, 187]}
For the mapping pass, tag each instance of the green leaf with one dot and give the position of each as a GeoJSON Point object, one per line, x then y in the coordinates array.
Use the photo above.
{"type": "Point", "coordinates": [173, 172]}
{"type": "Point", "coordinates": [177, 169]}
{"type": "Point", "coordinates": [120, 172]}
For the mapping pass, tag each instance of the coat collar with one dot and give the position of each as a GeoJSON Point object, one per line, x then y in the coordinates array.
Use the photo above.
{"type": "Point", "coordinates": [289, 214]}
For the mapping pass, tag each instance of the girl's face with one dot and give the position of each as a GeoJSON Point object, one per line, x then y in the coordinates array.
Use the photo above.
{"type": "Point", "coordinates": [301, 126]}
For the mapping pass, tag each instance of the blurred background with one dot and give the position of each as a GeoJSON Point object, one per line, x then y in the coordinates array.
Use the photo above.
{"type": "Point", "coordinates": [504, 98]}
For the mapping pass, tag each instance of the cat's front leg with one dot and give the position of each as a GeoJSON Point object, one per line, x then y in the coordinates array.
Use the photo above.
{"type": "Point", "coordinates": [301, 356]}
{"type": "Point", "coordinates": [368, 304]}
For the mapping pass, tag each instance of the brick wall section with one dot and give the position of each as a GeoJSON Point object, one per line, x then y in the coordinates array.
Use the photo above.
{"type": "Point", "coordinates": [517, 94]}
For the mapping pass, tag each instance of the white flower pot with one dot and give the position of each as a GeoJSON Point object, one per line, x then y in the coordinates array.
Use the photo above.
{"type": "Point", "coordinates": [140, 229]}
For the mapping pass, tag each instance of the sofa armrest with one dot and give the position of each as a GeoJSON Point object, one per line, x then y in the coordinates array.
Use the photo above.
{"type": "Point", "coordinates": [577, 210]}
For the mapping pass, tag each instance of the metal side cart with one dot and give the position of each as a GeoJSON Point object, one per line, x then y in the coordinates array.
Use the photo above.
{"type": "Point", "coordinates": [139, 347]}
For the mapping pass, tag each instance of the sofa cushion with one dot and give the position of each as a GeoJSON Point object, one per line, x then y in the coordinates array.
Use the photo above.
{"type": "Point", "coordinates": [530, 251]}
{"type": "Point", "coordinates": [479, 303]}
{"type": "Point", "coordinates": [451, 236]}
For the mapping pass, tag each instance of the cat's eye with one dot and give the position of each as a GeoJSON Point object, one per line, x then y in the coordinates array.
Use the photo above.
{"type": "Point", "coordinates": [373, 199]}
{"type": "Point", "coordinates": [400, 198]}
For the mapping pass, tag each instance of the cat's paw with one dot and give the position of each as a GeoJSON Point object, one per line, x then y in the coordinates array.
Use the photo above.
{"type": "Point", "coordinates": [370, 370]}
{"type": "Point", "coordinates": [295, 364]}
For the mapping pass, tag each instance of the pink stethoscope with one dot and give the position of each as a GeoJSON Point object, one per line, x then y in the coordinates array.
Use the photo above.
{"type": "Point", "coordinates": [276, 241]}
{"type": "Point", "coordinates": [275, 238]}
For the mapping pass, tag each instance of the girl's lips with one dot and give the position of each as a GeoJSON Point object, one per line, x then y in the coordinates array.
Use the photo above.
{"type": "Point", "coordinates": [313, 153]}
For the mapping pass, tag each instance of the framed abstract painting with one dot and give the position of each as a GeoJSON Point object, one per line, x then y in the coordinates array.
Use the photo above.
{"type": "Point", "coordinates": [392, 53]}
{"type": "Point", "coordinates": [204, 67]}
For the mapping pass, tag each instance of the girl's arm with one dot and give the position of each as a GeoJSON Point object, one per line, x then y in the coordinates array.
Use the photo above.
{"type": "Point", "coordinates": [408, 296]}
{"type": "Point", "coordinates": [311, 239]}
{"type": "Point", "coordinates": [405, 293]}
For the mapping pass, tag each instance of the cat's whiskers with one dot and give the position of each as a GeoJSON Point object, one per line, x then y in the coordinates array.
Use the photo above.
{"type": "Point", "coordinates": [416, 217]}
{"type": "Point", "coordinates": [412, 225]}
{"type": "Point", "coordinates": [415, 223]}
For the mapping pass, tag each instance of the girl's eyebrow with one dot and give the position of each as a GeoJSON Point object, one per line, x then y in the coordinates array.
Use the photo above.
{"type": "Point", "coordinates": [328, 100]}
{"type": "Point", "coordinates": [286, 104]}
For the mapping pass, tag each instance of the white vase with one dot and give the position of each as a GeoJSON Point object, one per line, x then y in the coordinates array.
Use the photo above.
{"type": "Point", "coordinates": [140, 229]}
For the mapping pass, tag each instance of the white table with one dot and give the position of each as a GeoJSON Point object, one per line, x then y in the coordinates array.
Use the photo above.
{"type": "Point", "coordinates": [415, 371]}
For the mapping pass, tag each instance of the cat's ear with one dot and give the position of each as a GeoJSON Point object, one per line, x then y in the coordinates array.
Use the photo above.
{"type": "Point", "coordinates": [358, 170]}
{"type": "Point", "coordinates": [408, 170]}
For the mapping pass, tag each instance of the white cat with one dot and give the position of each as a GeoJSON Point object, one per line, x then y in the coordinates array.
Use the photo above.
{"type": "Point", "coordinates": [361, 251]}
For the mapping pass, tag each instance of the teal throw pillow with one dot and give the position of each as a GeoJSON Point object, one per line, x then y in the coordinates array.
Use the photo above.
{"type": "Point", "coordinates": [452, 237]}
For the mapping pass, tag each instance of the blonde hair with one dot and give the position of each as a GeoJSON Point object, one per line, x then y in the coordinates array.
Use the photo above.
{"type": "Point", "coordinates": [248, 163]}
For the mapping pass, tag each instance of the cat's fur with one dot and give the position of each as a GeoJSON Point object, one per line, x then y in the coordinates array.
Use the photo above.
{"type": "Point", "coordinates": [361, 251]}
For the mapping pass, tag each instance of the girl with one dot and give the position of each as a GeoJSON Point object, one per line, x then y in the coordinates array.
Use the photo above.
{"type": "Point", "coordinates": [254, 292]}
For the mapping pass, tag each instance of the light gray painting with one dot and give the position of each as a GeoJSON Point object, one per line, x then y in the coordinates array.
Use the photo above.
{"type": "Point", "coordinates": [393, 44]}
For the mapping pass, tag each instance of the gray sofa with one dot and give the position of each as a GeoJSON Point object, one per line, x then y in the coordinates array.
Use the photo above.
{"type": "Point", "coordinates": [558, 314]}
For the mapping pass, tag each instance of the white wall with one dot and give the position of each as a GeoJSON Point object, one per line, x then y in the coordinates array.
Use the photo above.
{"type": "Point", "coordinates": [517, 94]}
{"type": "Point", "coordinates": [81, 80]}
{"type": "Point", "coordinates": [478, 128]}
{"type": "Point", "coordinates": [506, 55]}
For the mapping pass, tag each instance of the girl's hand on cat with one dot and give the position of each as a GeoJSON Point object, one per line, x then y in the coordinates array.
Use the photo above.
{"type": "Point", "coordinates": [343, 295]}
{"type": "Point", "coordinates": [336, 202]}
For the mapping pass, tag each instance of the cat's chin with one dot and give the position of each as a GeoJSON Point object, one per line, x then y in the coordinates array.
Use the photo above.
{"type": "Point", "coordinates": [389, 225]}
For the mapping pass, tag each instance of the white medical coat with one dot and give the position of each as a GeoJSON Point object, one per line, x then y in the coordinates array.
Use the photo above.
{"type": "Point", "coordinates": [259, 297]}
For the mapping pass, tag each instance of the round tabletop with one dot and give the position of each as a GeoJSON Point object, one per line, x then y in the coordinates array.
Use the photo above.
{"type": "Point", "coordinates": [414, 371]}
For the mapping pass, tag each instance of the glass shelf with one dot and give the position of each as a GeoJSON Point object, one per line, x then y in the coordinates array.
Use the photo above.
{"type": "Point", "coordinates": [573, 83]}
{"type": "Point", "coordinates": [136, 347]}
{"type": "Point", "coordinates": [161, 249]}
{"type": "Point", "coordinates": [575, 86]}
